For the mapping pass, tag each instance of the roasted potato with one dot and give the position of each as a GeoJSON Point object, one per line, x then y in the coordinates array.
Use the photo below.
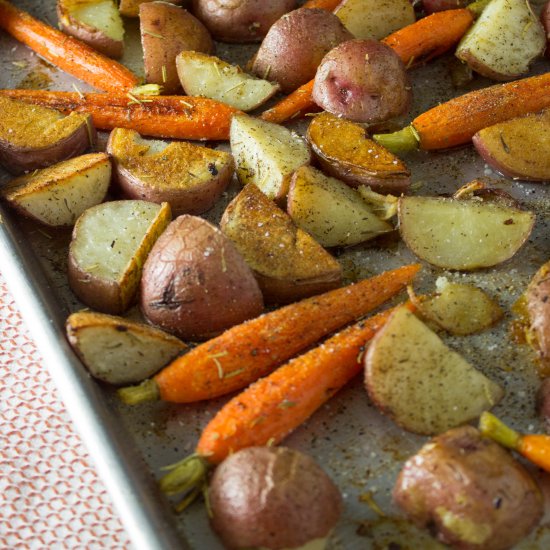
{"type": "Point", "coordinates": [35, 137]}
{"type": "Point", "coordinates": [344, 151]}
{"type": "Point", "coordinates": [266, 154]}
{"type": "Point", "coordinates": [58, 195]}
{"type": "Point", "coordinates": [330, 211]}
{"type": "Point", "coordinates": [288, 263]}
{"type": "Point", "coordinates": [545, 20]}
{"type": "Point", "coordinates": [209, 76]}
{"type": "Point", "coordinates": [130, 8]}
{"type": "Point", "coordinates": [503, 41]}
{"type": "Point", "coordinates": [518, 147]}
{"type": "Point", "coordinates": [95, 22]}
{"type": "Point", "coordinates": [295, 45]}
{"type": "Point", "coordinates": [273, 498]}
{"type": "Point", "coordinates": [463, 234]}
{"type": "Point", "coordinates": [189, 177]}
{"type": "Point", "coordinates": [469, 491]}
{"type": "Point", "coordinates": [240, 20]}
{"type": "Point", "coordinates": [537, 298]}
{"type": "Point", "coordinates": [364, 81]}
{"type": "Point", "coordinates": [118, 351]}
{"type": "Point", "coordinates": [420, 383]}
{"type": "Point", "coordinates": [195, 283]}
{"type": "Point", "coordinates": [373, 18]}
{"type": "Point", "coordinates": [458, 308]}
{"type": "Point", "coordinates": [108, 248]}
{"type": "Point", "coordinates": [167, 30]}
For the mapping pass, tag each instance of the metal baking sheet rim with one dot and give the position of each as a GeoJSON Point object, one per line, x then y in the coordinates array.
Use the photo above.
{"type": "Point", "coordinates": [146, 516]}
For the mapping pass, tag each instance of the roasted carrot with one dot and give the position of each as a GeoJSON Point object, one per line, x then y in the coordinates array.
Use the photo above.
{"type": "Point", "coordinates": [253, 349]}
{"type": "Point", "coordinates": [178, 117]}
{"type": "Point", "coordinates": [534, 447]}
{"type": "Point", "coordinates": [430, 36]}
{"type": "Point", "coordinates": [323, 4]}
{"type": "Point", "coordinates": [415, 43]}
{"type": "Point", "coordinates": [294, 105]}
{"type": "Point", "coordinates": [456, 121]}
{"type": "Point", "coordinates": [267, 411]}
{"type": "Point", "coordinates": [67, 53]}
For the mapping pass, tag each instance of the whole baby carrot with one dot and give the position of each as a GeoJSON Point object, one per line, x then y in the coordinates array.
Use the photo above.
{"type": "Point", "coordinates": [455, 122]}
{"type": "Point", "coordinates": [64, 51]}
{"type": "Point", "coordinates": [430, 36]}
{"type": "Point", "coordinates": [253, 349]}
{"type": "Point", "coordinates": [178, 117]}
{"type": "Point", "coordinates": [267, 411]}
{"type": "Point", "coordinates": [415, 43]}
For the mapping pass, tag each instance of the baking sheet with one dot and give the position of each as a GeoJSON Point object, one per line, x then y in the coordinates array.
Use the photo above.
{"type": "Point", "coordinates": [359, 448]}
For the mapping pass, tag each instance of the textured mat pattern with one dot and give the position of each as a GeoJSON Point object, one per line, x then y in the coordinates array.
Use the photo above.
{"type": "Point", "coordinates": [50, 494]}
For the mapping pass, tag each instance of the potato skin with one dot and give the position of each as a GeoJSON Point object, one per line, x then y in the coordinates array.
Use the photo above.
{"type": "Point", "coordinates": [167, 30]}
{"type": "Point", "coordinates": [295, 45]}
{"type": "Point", "coordinates": [240, 21]}
{"type": "Point", "coordinates": [195, 284]}
{"type": "Point", "coordinates": [272, 497]}
{"type": "Point", "coordinates": [545, 20]}
{"type": "Point", "coordinates": [538, 308]}
{"type": "Point", "coordinates": [95, 38]}
{"type": "Point", "coordinates": [364, 81]}
{"type": "Point", "coordinates": [160, 177]}
{"type": "Point", "coordinates": [470, 491]}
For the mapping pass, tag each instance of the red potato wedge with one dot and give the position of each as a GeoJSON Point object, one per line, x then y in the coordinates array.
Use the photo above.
{"type": "Point", "coordinates": [266, 154]}
{"type": "Point", "coordinates": [344, 150]}
{"type": "Point", "coordinates": [517, 148]}
{"type": "Point", "coordinates": [34, 137]}
{"type": "Point", "coordinates": [167, 30]}
{"type": "Point", "coordinates": [189, 177]}
{"type": "Point", "coordinates": [94, 22]}
{"type": "Point", "coordinates": [503, 41]}
{"type": "Point", "coordinates": [288, 263]}
{"type": "Point", "coordinates": [109, 246]}
{"type": "Point", "coordinates": [208, 76]}
{"type": "Point", "coordinates": [195, 283]}
{"type": "Point", "coordinates": [463, 234]}
{"type": "Point", "coordinates": [118, 351]}
{"type": "Point", "coordinates": [375, 19]}
{"type": "Point", "coordinates": [58, 195]}
{"type": "Point", "coordinates": [330, 211]}
{"type": "Point", "coordinates": [416, 380]}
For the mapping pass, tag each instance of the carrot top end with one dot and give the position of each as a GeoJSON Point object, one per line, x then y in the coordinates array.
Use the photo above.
{"type": "Point", "coordinates": [491, 426]}
{"type": "Point", "coordinates": [148, 390]}
{"type": "Point", "coordinates": [187, 476]}
{"type": "Point", "coordinates": [399, 142]}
